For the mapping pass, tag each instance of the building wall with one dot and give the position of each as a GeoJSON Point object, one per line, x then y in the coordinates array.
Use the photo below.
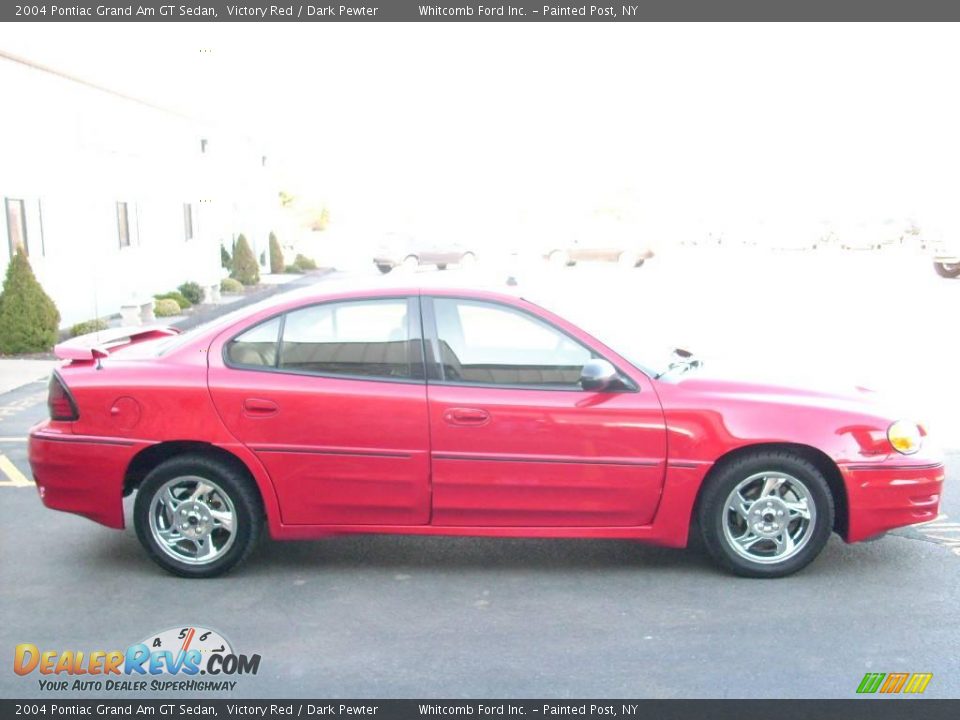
{"type": "Point", "coordinates": [72, 151]}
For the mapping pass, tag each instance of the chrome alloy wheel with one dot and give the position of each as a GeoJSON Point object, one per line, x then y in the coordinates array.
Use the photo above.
{"type": "Point", "coordinates": [769, 517]}
{"type": "Point", "coordinates": [192, 520]}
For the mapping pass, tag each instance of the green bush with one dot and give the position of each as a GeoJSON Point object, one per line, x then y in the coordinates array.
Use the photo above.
{"type": "Point", "coordinates": [225, 259]}
{"type": "Point", "coordinates": [245, 268]}
{"type": "Point", "coordinates": [29, 320]}
{"type": "Point", "coordinates": [176, 297]}
{"type": "Point", "coordinates": [276, 255]}
{"type": "Point", "coordinates": [192, 292]}
{"type": "Point", "coordinates": [293, 270]}
{"type": "Point", "coordinates": [230, 286]}
{"type": "Point", "coordinates": [305, 263]}
{"type": "Point", "coordinates": [166, 307]}
{"type": "Point", "coordinates": [88, 326]}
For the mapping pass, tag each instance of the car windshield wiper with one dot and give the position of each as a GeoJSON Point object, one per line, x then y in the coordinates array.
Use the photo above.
{"type": "Point", "coordinates": [683, 361]}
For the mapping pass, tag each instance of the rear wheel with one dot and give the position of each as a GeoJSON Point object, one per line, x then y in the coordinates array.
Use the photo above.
{"type": "Point", "coordinates": [384, 268]}
{"type": "Point", "coordinates": [768, 514]}
{"type": "Point", "coordinates": [947, 270]}
{"type": "Point", "coordinates": [197, 517]}
{"type": "Point", "coordinates": [441, 266]}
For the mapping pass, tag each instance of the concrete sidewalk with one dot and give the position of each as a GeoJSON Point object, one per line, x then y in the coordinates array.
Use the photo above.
{"type": "Point", "coordinates": [16, 372]}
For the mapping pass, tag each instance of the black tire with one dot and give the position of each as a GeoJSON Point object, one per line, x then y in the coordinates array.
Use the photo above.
{"type": "Point", "coordinates": [441, 266]}
{"type": "Point", "coordinates": [711, 512]}
{"type": "Point", "coordinates": [384, 268]}
{"type": "Point", "coordinates": [247, 505]}
{"type": "Point", "coordinates": [947, 270]}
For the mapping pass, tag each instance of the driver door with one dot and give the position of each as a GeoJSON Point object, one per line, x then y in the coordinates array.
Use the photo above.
{"type": "Point", "coordinates": [515, 440]}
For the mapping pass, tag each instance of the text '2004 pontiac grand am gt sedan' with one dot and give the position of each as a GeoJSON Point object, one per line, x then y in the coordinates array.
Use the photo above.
{"type": "Point", "coordinates": [449, 412]}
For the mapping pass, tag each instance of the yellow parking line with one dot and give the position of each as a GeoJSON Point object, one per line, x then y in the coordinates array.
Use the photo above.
{"type": "Point", "coordinates": [15, 478]}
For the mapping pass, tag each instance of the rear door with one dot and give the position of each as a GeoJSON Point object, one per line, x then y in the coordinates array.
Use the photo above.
{"type": "Point", "coordinates": [515, 441]}
{"type": "Point", "coordinates": [331, 398]}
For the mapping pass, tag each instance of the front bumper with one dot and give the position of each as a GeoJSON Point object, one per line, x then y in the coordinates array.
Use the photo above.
{"type": "Point", "coordinates": [882, 497]}
{"type": "Point", "coordinates": [81, 474]}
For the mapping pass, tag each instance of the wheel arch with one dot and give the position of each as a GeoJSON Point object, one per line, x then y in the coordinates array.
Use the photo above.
{"type": "Point", "coordinates": [817, 458]}
{"type": "Point", "coordinates": [144, 462]}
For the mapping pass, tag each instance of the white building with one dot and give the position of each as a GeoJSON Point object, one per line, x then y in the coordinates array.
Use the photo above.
{"type": "Point", "coordinates": [115, 199]}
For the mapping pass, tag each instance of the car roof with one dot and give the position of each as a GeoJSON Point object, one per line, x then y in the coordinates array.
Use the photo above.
{"type": "Point", "coordinates": [427, 284]}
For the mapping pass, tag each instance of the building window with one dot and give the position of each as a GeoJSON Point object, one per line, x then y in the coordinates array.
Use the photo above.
{"type": "Point", "coordinates": [16, 226]}
{"type": "Point", "coordinates": [123, 224]}
{"type": "Point", "coordinates": [188, 221]}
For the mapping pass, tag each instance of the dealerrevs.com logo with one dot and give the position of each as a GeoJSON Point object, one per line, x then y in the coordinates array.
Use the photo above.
{"type": "Point", "coordinates": [172, 660]}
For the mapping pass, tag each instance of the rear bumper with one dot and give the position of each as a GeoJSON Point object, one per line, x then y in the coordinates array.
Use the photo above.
{"type": "Point", "coordinates": [81, 474]}
{"type": "Point", "coordinates": [884, 497]}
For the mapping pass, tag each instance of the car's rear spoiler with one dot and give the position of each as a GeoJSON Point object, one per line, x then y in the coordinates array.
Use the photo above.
{"type": "Point", "coordinates": [99, 344]}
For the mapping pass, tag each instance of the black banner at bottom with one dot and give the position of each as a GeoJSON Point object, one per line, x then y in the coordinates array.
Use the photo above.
{"type": "Point", "coordinates": [853, 709]}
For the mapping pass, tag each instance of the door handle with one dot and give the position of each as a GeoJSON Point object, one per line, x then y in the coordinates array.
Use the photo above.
{"type": "Point", "coordinates": [258, 407]}
{"type": "Point", "coordinates": [466, 416]}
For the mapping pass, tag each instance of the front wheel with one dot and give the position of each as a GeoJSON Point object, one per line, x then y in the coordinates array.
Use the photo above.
{"type": "Point", "coordinates": [197, 517]}
{"type": "Point", "coordinates": [947, 270]}
{"type": "Point", "coordinates": [768, 514]}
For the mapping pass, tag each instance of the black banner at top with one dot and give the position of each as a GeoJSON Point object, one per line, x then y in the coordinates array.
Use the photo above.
{"type": "Point", "coordinates": [493, 11]}
{"type": "Point", "coordinates": [318, 709]}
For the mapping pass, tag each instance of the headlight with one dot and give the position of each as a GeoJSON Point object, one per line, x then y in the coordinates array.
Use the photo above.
{"type": "Point", "coordinates": [906, 437]}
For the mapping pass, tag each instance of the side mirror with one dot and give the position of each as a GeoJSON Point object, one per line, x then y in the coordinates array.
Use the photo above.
{"type": "Point", "coordinates": [598, 375]}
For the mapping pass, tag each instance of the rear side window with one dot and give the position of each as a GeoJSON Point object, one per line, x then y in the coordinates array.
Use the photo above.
{"type": "Point", "coordinates": [362, 338]}
{"type": "Point", "coordinates": [256, 347]}
{"type": "Point", "coordinates": [369, 338]}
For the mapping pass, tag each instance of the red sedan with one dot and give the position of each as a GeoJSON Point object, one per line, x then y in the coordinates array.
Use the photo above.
{"type": "Point", "coordinates": [457, 413]}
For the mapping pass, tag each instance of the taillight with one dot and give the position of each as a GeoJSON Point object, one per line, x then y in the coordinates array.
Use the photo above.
{"type": "Point", "coordinates": [60, 402]}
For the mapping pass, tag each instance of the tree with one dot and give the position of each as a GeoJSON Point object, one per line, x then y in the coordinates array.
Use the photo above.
{"type": "Point", "coordinates": [276, 255]}
{"type": "Point", "coordinates": [245, 267]}
{"type": "Point", "coordinates": [225, 259]}
{"type": "Point", "coordinates": [29, 321]}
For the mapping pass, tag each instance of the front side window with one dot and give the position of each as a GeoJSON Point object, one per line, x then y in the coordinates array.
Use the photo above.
{"type": "Point", "coordinates": [16, 226]}
{"type": "Point", "coordinates": [362, 338]}
{"type": "Point", "coordinates": [491, 344]}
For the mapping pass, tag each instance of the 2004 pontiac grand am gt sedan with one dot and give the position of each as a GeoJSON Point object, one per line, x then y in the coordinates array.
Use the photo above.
{"type": "Point", "coordinates": [450, 412]}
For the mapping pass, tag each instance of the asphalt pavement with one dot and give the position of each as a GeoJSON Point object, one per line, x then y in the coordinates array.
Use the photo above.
{"type": "Point", "coordinates": [382, 616]}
